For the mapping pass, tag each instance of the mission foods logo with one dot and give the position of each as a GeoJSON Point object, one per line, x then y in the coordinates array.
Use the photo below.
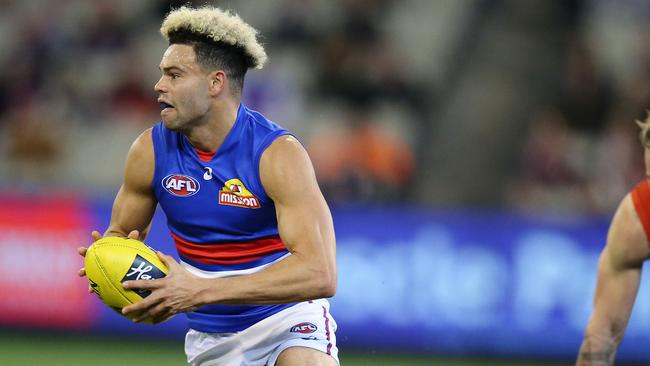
{"type": "Point", "coordinates": [234, 193]}
{"type": "Point", "coordinates": [180, 185]}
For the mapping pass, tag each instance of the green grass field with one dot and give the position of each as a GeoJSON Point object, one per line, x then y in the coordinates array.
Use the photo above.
{"type": "Point", "coordinates": [40, 349]}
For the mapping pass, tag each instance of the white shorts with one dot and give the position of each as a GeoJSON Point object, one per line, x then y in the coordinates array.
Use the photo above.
{"type": "Point", "coordinates": [306, 324]}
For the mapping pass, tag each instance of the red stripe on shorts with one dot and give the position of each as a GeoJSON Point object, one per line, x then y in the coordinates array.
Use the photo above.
{"type": "Point", "coordinates": [327, 331]}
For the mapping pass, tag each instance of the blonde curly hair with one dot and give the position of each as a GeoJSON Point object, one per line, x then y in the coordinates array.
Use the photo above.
{"type": "Point", "coordinates": [219, 26]}
{"type": "Point", "coordinates": [644, 135]}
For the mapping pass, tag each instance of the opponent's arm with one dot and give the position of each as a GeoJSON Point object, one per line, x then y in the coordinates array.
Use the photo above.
{"type": "Point", "coordinates": [619, 272]}
{"type": "Point", "coordinates": [305, 226]}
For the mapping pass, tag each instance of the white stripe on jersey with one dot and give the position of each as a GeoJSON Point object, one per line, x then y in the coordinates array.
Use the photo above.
{"type": "Point", "coordinates": [219, 274]}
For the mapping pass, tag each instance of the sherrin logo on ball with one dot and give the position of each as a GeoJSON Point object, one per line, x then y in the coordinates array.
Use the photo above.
{"type": "Point", "coordinates": [181, 185]}
{"type": "Point", "coordinates": [112, 260]}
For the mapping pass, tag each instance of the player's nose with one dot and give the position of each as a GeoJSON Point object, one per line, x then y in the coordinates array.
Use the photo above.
{"type": "Point", "coordinates": [159, 87]}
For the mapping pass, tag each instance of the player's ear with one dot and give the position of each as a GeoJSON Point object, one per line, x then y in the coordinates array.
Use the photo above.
{"type": "Point", "coordinates": [217, 82]}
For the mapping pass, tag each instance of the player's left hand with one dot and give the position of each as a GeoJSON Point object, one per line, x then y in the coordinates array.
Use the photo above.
{"type": "Point", "coordinates": [96, 235]}
{"type": "Point", "coordinates": [175, 293]}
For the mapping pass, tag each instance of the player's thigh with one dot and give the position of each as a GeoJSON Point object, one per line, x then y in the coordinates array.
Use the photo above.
{"type": "Point", "coordinates": [304, 356]}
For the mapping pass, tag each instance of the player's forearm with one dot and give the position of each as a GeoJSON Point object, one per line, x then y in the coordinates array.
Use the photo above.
{"type": "Point", "coordinates": [597, 351]}
{"type": "Point", "coordinates": [293, 279]}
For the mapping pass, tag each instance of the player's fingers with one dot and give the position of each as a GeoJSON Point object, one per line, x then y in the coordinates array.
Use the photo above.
{"type": "Point", "coordinates": [90, 289]}
{"type": "Point", "coordinates": [82, 272]}
{"type": "Point", "coordinates": [82, 251]}
{"type": "Point", "coordinates": [164, 316]}
{"type": "Point", "coordinates": [134, 234]}
{"type": "Point", "coordinates": [141, 284]}
{"type": "Point", "coordinates": [132, 309]}
{"type": "Point", "coordinates": [155, 312]}
{"type": "Point", "coordinates": [141, 306]}
{"type": "Point", "coordinates": [167, 316]}
{"type": "Point", "coordinates": [96, 235]}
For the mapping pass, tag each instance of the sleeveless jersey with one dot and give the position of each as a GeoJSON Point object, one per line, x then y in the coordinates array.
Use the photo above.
{"type": "Point", "coordinates": [641, 199]}
{"type": "Point", "coordinates": [221, 220]}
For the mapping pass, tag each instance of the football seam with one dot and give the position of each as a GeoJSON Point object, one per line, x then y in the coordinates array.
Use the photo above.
{"type": "Point", "coordinates": [140, 251]}
{"type": "Point", "coordinates": [108, 279]}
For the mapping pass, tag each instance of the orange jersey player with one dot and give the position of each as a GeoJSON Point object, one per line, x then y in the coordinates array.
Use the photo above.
{"type": "Point", "coordinates": [619, 270]}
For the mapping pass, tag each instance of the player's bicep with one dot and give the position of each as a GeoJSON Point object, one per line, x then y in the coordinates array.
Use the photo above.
{"type": "Point", "coordinates": [135, 202]}
{"type": "Point", "coordinates": [305, 224]}
{"type": "Point", "coordinates": [304, 220]}
{"type": "Point", "coordinates": [619, 272]}
{"type": "Point", "coordinates": [627, 244]}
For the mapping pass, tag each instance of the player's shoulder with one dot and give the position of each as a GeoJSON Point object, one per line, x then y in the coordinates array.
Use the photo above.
{"type": "Point", "coordinates": [285, 166]}
{"type": "Point", "coordinates": [626, 213]}
{"type": "Point", "coordinates": [634, 210]}
{"type": "Point", "coordinates": [628, 238]}
{"type": "Point", "coordinates": [284, 148]}
{"type": "Point", "coordinates": [143, 140]}
{"type": "Point", "coordinates": [142, 146]}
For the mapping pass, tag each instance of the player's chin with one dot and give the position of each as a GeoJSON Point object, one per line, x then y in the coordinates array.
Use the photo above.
{"type": "Point", "coordinates": [170, 122]}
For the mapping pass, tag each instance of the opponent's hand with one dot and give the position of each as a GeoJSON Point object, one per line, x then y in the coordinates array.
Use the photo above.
{"type": "Point", "coordinates": [135, 234]}
{"type": "Point", "coordinates": [173, 294]}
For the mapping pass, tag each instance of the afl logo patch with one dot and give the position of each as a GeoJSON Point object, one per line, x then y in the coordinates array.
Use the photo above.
{"type": "Point", "coordinates": [304, 328]}
{"type": "Point", "coordinates": [180, 185]}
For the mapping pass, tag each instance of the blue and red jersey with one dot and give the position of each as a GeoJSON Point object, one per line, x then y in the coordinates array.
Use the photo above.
{"type": "Point", "coordinates": [219, 215]}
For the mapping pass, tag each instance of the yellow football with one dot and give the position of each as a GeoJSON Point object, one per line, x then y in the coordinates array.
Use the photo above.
{"type": "Point", "coordinates": [113, 260]}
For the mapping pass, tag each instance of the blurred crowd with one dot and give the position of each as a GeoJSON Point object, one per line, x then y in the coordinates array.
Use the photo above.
{"type": "Point", "coordinates": [74, 65]}
{"type": "Point", "coordinates": [581, 152]}
{"type": "Point", "coordinates": [349, 77]}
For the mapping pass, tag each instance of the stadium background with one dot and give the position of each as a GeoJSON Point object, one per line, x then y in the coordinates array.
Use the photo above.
{"type": "Point", "coordinates": [473, 152]}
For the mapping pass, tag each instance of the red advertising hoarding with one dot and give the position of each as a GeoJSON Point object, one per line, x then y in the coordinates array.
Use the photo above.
{"type": "Point", "coordinates": [38, 262]}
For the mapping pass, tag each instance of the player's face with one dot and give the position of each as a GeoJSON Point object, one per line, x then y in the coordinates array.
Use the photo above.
{"type": "Point", "coordinates": [183, 88]}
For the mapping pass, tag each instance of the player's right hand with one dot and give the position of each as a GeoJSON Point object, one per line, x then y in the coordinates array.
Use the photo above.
{"type": "Point", "coordinates": [96, 235]}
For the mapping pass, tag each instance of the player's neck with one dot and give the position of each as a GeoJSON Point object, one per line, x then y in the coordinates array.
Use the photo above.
{"type": "Point", "coordinates": [208, 136]}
